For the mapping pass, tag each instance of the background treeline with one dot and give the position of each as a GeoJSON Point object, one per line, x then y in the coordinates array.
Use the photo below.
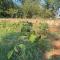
{"type": "Point", "coordinates": [29, 8]}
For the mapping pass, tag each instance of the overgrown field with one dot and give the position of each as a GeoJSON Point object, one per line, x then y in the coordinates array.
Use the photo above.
{"type": "Point", "coordinates": [24, 40]}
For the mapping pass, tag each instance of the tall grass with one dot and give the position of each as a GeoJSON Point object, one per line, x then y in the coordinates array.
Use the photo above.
{"type": "Point", "coordinates": [18, 41]}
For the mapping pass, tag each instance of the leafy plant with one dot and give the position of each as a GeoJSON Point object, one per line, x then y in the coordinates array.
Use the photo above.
{"type": "Point", "coordinates": [43, 28]}
{"type": "Point", "coordinates": [20, 42]}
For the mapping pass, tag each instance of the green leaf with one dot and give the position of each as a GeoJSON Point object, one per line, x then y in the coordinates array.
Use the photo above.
{"type": "Point", "coordinates": [9, 55]}
{"type": "Point", "coordinates": [16, 50]}
{"type": "Point", "coordinates": [32, 38]}
{"type": "Point", "coordinates": [22, 46]}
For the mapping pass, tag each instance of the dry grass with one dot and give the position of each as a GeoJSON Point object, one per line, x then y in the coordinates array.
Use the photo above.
{"type": "Point", "coordinates": [53, 24]}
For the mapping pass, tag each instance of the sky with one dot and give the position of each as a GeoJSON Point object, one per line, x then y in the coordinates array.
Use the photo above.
{"type": "Point", "coordinates": [42, 1]}
{"type": "Point", "coordinates": [17, 2]}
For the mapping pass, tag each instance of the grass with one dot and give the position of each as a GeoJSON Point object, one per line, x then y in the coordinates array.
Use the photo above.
{"type": "Point", "coordinates": [11, 38]}
{"type": "Point", "coordinates": [5, 30]}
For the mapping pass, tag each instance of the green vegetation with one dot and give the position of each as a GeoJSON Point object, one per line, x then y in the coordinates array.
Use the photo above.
{"type": "Point", "coordinates": [18, 41]}
{"type": "Point", "coordinates": [29, 9]}
{"type": "Point", "coordinates": [23, 40]}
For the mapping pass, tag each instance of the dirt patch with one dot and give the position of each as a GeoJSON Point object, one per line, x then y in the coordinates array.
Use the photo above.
{"type": "Point", "coordinates": [54, 51]}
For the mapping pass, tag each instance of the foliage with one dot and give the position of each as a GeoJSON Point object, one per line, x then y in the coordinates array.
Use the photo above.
{"type": "Point", "coordinates": [29, 9]}
{"type": "Point", "coordinates": [19, 42]}
{"type": "Point", "coordinates": [43, 28]}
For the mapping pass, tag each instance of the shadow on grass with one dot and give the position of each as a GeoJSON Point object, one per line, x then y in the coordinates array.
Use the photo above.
{"type": "Point", "coordinates": [53, 36]}
{"type": "Point", "coordinates": [55, 57]}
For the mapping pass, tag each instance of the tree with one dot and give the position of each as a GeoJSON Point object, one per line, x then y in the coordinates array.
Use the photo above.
{"type": "Point", "coordinates": [30, 8]}
{"type": "Point", "coordinates": [7, 8]}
